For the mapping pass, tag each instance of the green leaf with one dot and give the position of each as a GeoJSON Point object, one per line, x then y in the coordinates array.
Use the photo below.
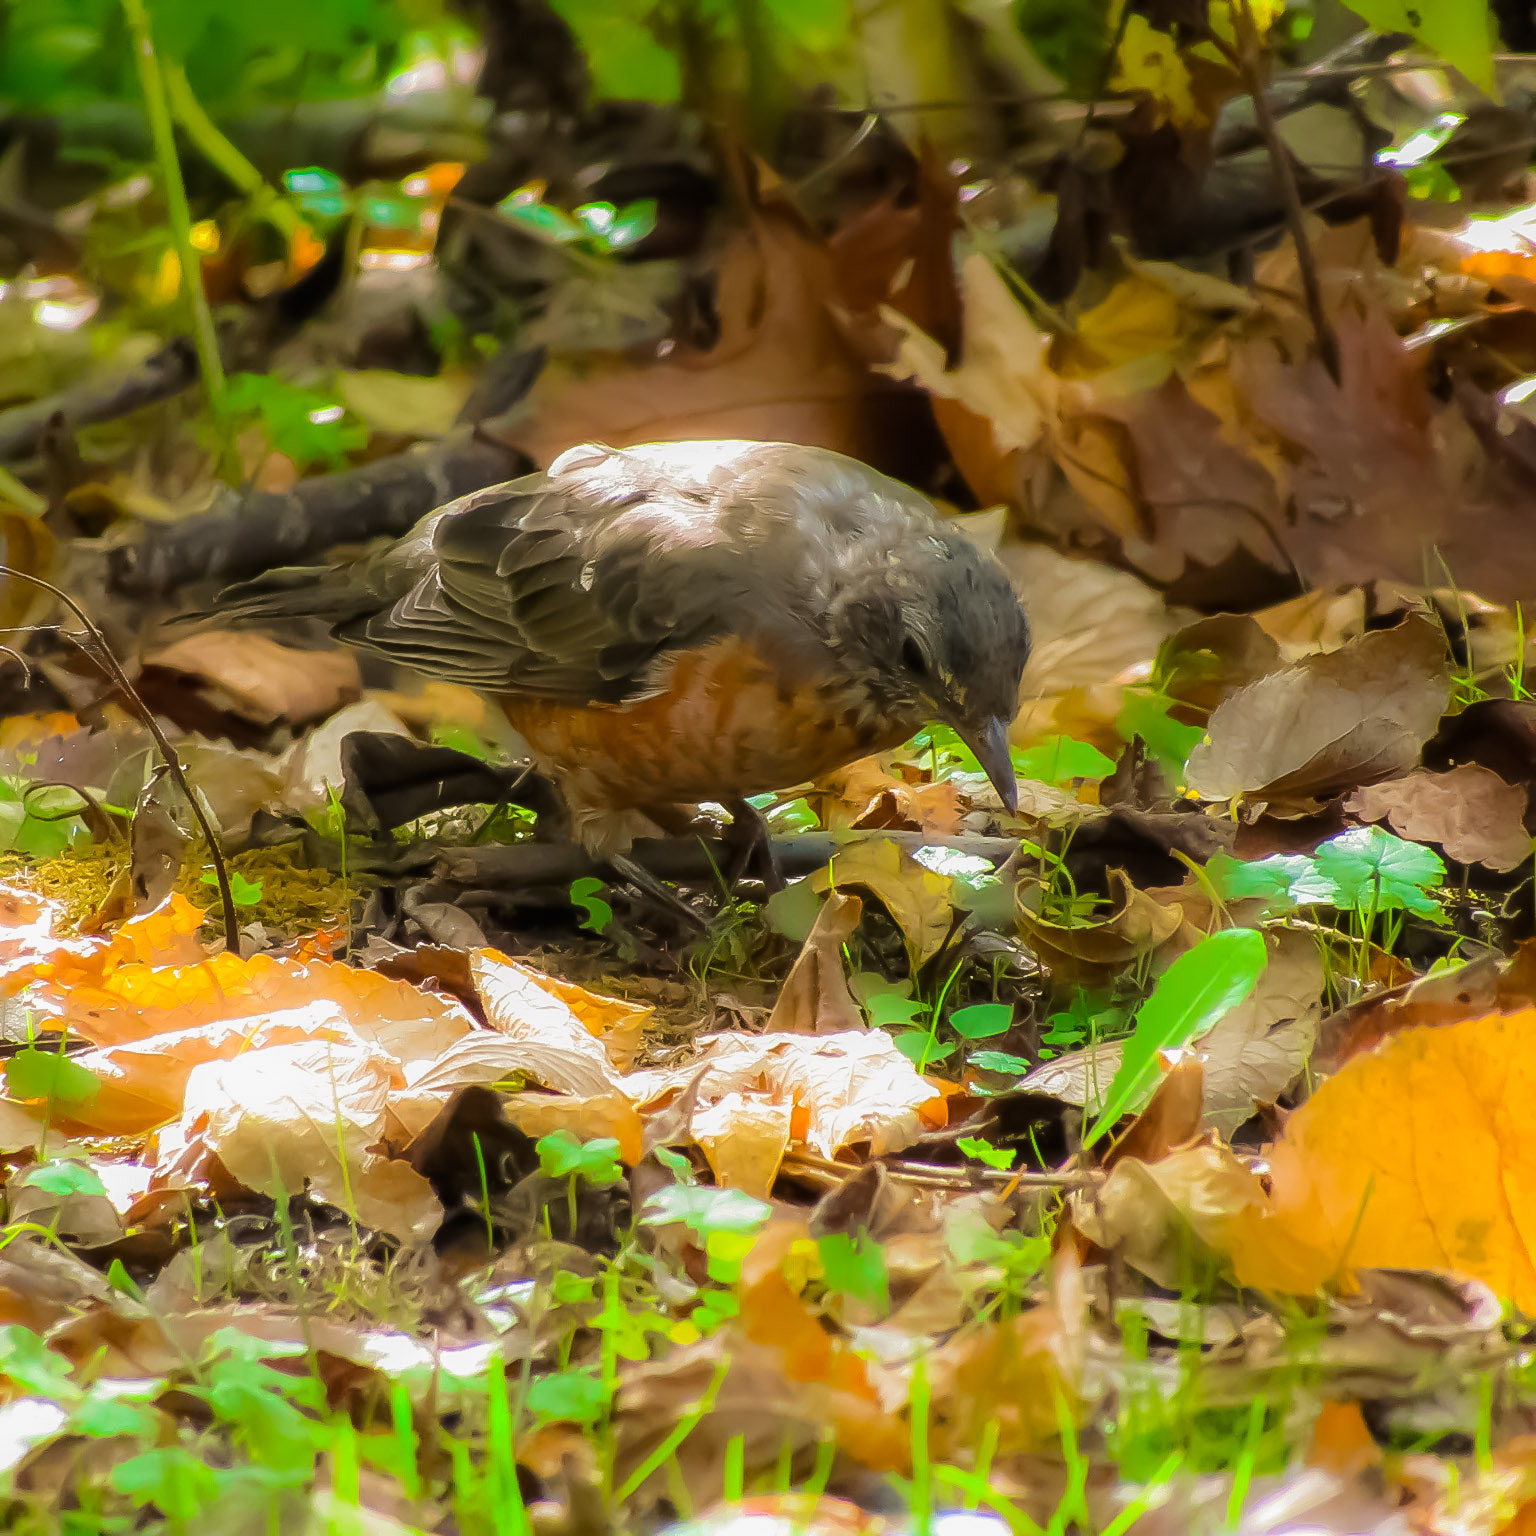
{"type": "Point", "coordinates": [624, 59]}
{"type": "Point", "coordinates": [569, 1396]}
{"type": "Point", "coordinates": [1193, 993]}
{"type": "Point", "coordinates": [1059, 759]}
{"type": "Point", "coordinates": [793, 816]}
{"type": "Point", "coordinates": [1145, 713]}
{"type": "Point", "coordinates": [175, 1481]}
{"type": "Point", "coordinates": [705, 1210]}
{"type": "Point", "coordinates": [247, 893]}
{"type": "Point", "coordinates": [35, 1074]}
{"type": "Point", "coordinates": [598, 914]}
{"type": "Point", "coordinates": [920, 1048]}
{"type": "Point", "coordinates": [562, 1156]}
{"type": "Point", "coordinates": [855, 1266]}
{"type": "Point", "coordinates": [984, 1152]}
{"type": "Point", "coordinates": [540, 219]}
{"type": "Point", "coordinates": [999, 1061]}
{"type": "Point", "coordinates": [981, 1021]}
{"type": "Point", "coordinates": [65, 1177]}
{"type": "Point", "coordinates": [634, 222]}
{"type": "Point", "coordinates": [28, 1362]}
{"type": "Point", "coordinates": [888, 1008]}
{"type": "Point", "coordinates": [1462, 32]}
{"type": "Point", "coordinates": [1377, 872]}
{"type": "Point", "coordinates": [1283, 881]}
{"type": "Point", "coordinates": [104, 1418]}
{"type": "Point", "coordinates": [792, 911]}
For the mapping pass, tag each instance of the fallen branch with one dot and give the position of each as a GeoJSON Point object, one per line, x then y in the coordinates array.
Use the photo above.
{"type": "Point", "coordinates": [163, 374]}
{"type": "Point", "coordinates": [509, 866]}
{"type": "Point", "coordinates": [265, 528]}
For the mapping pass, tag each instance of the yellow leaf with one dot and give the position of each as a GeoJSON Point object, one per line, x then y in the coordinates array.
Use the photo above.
{"type": "Point", "coordinates": [1139, 318]}
{"type": "Point", "coordinates": [916, 898]}
{"type": "Point", "coordinates": [1149, 61]}
{"type": "Point", "coordinates": [1419, 1155]}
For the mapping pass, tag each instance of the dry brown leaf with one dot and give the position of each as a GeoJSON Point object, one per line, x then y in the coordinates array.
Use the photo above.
{"type": "Point", "coordinates": [1248, 1058]}
{"type": "Point", "coordinates": [852, 1089]}
{"type": "Point", "coordinates": [525, 1006]}
{"type": "Point", "coordinates": [917, 898]}
{"type": "Point", "coordinates": [1138, 925]}
{"type": "Point", "coordinates": [997, 402]}
{"type": "Point", "coordinates": [249, 675]}
{"type": "Point", "coordinates": [293, 1116]}
{"type": "Point", "coordinates": [605, 1114]}
{"type": "Point", "coordinates": [1470, 812]}
{"type": "Point", "coordinates": [815, 999]}
{"type": "Point", "coordinates": [866, 796]}
{"type": "Point", "coordinates": [1328, 723]}
{"type": "Point", "coordinates": [780, 371]}
{"type": "Point", "coordinates": [1489, 984]}
{"type": "Point", "coordinates": [1094, 629]}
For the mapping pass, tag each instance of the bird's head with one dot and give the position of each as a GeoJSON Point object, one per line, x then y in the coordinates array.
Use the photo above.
{"type": "Point", "coordinates": [937, 633]}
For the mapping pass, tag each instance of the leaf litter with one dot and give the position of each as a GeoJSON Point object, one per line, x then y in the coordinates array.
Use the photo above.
{"type": "Point", "coordinates": [1166, 1135]}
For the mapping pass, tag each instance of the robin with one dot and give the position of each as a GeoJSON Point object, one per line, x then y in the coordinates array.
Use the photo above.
{"type": "Point", "coordinates": [688, 621]}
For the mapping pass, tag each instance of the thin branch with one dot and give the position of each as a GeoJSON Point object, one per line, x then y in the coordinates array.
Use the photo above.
{"type": "Point", "coordinates": [94, 646]}
{"type": "Point", "coordinates": [1247, 60]}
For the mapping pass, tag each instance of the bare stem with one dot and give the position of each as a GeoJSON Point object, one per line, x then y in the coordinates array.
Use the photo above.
{"type": "Point", "coordinates": [1248, 59]}
{"type": "Point", "coordinates": [178, 210]}
{"type": "Point", "coordinates": [94, 645]}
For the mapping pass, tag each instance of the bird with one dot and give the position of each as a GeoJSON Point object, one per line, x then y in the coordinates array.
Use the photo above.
{"type": "Point", "coordinates": [686, 622]}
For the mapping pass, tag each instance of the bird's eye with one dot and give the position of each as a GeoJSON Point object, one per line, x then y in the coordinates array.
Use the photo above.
{"type": "Point", "coordinates": [912, 657]}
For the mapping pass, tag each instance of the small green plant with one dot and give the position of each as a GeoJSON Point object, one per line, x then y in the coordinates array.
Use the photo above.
{"type": "Point", "coordinates": [596, 229]}
{"type": "Point", "coordinates": [247, 893]}
{"type": "Point", "coordinates": [307, 426]}
{"type": "Point", "coordinates": [587, 898]}
{"type": "Point", "coordinates": [1060, 760]}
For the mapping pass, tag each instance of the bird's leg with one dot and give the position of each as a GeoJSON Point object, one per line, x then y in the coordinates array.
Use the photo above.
{"type": "Point", "coordinates": [747, 836]}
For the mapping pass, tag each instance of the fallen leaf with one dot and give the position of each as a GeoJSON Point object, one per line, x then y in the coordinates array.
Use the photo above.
{"type": "Point", "coordinates": [1415, 1155]}
{"type": "Point", "coordinates": [815, 999]}
{"type": "Point", "coordinates": [1094, 629]}
{"type": "Point", "coordinates": [243, 673]}
{"type": "Point", "coordinates": [1260, 1048]}
{"type": "Point", "coordinates": [917, 898]}
{"type": "Point", "coordinates": [781, 370]}
{"type": "Point", "coordinates": [1469, 812]}
{"type": "Point", "coordinates": [996, 403]}
{"type": "Point", "coordinates": [1489, 984]}
{"type": "Point", "coordinates": [1327, 723]}
{"type": "Point", "coordinates": [866, 796]}
{"type": "Point", "coordinates": [1138, 925]}
{"type": "Point", "coordinates": [296, 1117]}
{"type": "Point", "coordinates": [402, 403]}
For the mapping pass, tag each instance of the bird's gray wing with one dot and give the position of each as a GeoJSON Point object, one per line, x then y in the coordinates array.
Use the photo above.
{"type": "Point", "coordinates": [561, 587]}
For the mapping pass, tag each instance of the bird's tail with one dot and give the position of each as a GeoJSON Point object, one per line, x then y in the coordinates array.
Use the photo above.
{"type": "Point", "coordinates": [328, 592]}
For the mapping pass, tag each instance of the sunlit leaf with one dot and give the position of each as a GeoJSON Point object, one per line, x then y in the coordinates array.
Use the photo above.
{"type": "Point", "coordinates": [1192, 994]}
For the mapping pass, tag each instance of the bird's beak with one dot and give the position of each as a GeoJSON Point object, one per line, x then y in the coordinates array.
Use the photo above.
{"type": "Point", "coordinates": [989, 742]}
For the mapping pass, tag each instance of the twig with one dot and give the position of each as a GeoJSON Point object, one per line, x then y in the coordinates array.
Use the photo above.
{"type": "Point", "coordinates": [98, 651]}
{"type": "Point", "coordinates": [266, 529]}
{"type": "Point", "coordinates": [512, 865]}
{"type": "Point", "coordinates": [167, 372]}
{"type": "Point", "coordinates": [1246, 59]}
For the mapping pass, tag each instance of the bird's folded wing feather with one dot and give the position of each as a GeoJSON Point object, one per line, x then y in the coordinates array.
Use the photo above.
{"type": "Point", "coordinates": [534, 592]}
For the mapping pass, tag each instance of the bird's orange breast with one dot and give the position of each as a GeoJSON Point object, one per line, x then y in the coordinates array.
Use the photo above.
{"type": "Point", "coordinates": [727, 723]}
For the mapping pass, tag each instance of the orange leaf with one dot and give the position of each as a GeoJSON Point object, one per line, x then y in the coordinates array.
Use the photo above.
{"type": "Point", "coordinates": [1420, 1155]}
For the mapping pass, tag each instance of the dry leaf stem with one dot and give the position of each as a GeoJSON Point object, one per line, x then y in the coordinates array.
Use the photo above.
{"type": "Point", "coordinates": [94, 646]}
